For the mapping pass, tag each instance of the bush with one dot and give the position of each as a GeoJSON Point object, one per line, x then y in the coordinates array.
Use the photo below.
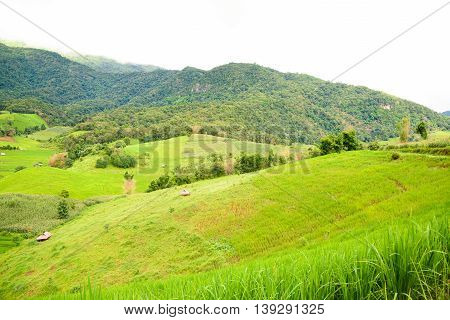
{"type": "Point", "coordinates": [18, 168]}
{"type": "Point", "coordinates": [162, 182]}
{"type": "Point", "coordinates": [395, 156]}
{"type": "Point", "coordinates": [64, 194]}
{"type": "Point", "coordinates": [330, 144]}
{"type": "Point", "coordinates": [123, 161]}
{"type": "Point", "coordinates": [128, 176]}
{"type": "Point", "coordinates": [120, 144]}
{"type": "Point", "coordinates": [374, 145]}
{"type": "Point", "coordinates": [422, 130]}
{"type": "Point", "coordinates": [101, 163]}
{"type": "Point", "coordinates": [63, 209]}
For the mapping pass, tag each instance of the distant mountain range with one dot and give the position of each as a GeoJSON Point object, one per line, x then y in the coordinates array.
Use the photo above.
{"type": "Point", "coordinates": [447, 113]}
{"type": "Point", "coordinates": [230, 98]}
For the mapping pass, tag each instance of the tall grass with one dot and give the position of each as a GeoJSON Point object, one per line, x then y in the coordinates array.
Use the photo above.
{"type": "Point", "coordinates": [405, 263]}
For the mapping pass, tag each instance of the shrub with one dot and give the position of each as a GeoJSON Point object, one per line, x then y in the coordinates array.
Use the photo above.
{"type": "Point", "coordinates": [128, 176]}
{"type": "Point", "coordinates": [395, 156]}
{"type": "Point", "coordinates": [64, 194]}
{"type": "Point", "coordinates": [120, 144]}
{"type": "Point", "coordinates": [422, 130]}
{"type": "Point", "coordinates": [18, 168]}
{"type": "Point", "coordinates": [101, 163]}
{"type": "Point", "coordinates": [123, 161]}
{"type": "Point", "coordinates": [183, 175]}
{"type": "Point", "coordinates": [63, 209]}
{"type": "Point", "coordinates": [162, 182]}
{"type": "Point", "coordinates": [374, 145]}
{"type": "Point", "coordinates": [330, 144]}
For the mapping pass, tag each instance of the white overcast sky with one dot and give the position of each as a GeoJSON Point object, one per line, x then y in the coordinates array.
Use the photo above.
{"type": "Point", "coordinates": [321, 38]}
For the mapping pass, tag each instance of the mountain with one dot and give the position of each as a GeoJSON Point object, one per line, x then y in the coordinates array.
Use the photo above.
{"type": "Point", "coordinates": [446, 113]}
{"type": "Point", "coordinates": [232, 100]}
{"type": "Point", "coordinates": [102, 64]}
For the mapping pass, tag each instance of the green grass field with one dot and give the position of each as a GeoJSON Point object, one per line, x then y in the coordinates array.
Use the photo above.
{"type": "Point", "coordinates": [83, 180]}
{"type": "Point", "coordinates": [49, 133]}
{"type": "Point", "coordinates": [32, 214]}
{"type": "Point", "coordinates": [30, 153]}
{"type": "Point", "coordinates": [188, 244]}
{"type": "Point", "coordinates": [20, 121]}
{"type": "Point", "coordinates": [433, 137]}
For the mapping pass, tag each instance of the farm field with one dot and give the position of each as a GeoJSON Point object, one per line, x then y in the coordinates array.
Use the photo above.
{"type": "Point", "coordinates": [237, 225]}
{"type": "Point", "coordinates": [49, 133]}
{"type": "Point", "coordinates": [20, 121]}
{"type": "Point", "coordinates": [442, 137]}
{"type": "Point", "coordinates": [84, 180]}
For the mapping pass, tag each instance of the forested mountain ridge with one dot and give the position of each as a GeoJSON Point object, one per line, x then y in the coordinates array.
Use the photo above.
{"type": "Point", "coordinates": [226, 100]}
{"type": "Point", "coordinates": [102, 64]}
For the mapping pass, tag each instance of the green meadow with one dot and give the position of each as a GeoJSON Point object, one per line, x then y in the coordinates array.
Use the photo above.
{"type": "Point", "coordinates": [84, 180]}
{"type": "Point", "coordinates": [232, 232]}
{"type": "Point", "coordinates": [20, 121]}
{"type": "Point", "coordinates": [49, 133]}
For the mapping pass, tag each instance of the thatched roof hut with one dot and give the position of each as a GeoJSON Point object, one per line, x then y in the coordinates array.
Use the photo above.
{"type": "Point", "coordinates": [184, 193]}
{"type": "Point", "coordinates": [45, 236]}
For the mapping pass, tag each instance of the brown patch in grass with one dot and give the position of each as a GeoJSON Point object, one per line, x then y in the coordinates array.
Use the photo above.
{"type": "Point", "coordinates": [29, 273]}
{"type": "Point", "coordinates": [399, 185]}
{"type": "Point", "coordinates": [7, 139]}
{"type": "Point", "coordinates": [224, 220]}
{"type": "Point", "coordinates": [58, 160]}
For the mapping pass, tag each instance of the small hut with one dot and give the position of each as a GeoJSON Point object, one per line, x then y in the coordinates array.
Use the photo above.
{"type": "Point", "coordinates": [184, 193]}
{"type": "Point", "coordinates": [45, 236]}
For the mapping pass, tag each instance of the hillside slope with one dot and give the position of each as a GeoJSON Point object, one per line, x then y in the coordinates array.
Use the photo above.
{"type": "Point", "coordinates": [234, 98]}
{"type": "Point", "coordinates": [84, 180]}
{"type": "Point", "coordinates": [228, 221]}
{"type": "Point", "coordinates": [20, 122]}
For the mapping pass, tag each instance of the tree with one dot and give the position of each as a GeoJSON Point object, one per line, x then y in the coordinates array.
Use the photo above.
{"type": "Point", "coordinates": [404, 127]}
{"type": "Point", "coordinates": [331, 143]}
{"type": "Point", "coordinates": [128, 176]}
{"type": "Point", "coordinates": [123, 161]}
{"type": "Point", "coordinates": [101, 163]}
{"type": "Point", "coordinates": [350, 141]}
{"type": "Point", "coordinates": [63, 209]}
{"type": "Point", "coordinates": [422, 130]}
{"type": "Point", "coordinates": [64, 194]}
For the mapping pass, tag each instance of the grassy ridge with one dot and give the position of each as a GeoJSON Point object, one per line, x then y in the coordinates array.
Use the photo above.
{"type": "Point", "coordinates": [230, 220]}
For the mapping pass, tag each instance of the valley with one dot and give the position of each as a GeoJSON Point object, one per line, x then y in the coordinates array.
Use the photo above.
{"type": "Point", "coordinates": [239, 182]}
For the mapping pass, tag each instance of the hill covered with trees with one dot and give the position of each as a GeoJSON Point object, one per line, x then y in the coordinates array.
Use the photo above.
{"type": "Point", "coordinates": [236, 100]}
{"type": "Point", "coordinates": [107, 65]}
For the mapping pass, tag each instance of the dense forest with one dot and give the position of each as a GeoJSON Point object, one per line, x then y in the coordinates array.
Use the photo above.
{"type": "Point", "coordinates": [102, 64]}
{"type": "Point", "coordinates": [236, 100]}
